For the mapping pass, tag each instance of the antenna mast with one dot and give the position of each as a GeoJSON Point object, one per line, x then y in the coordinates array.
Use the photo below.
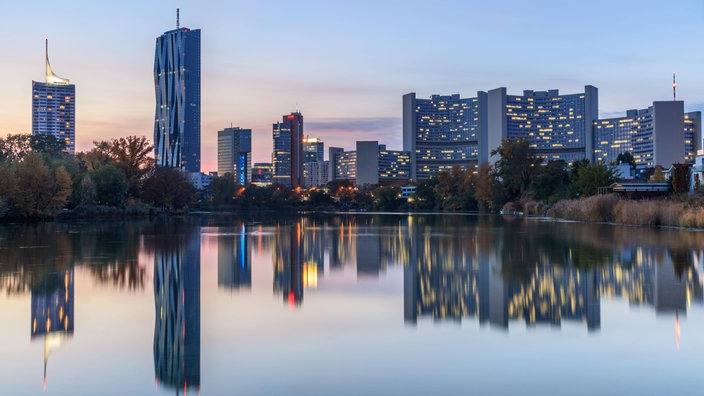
{"type": "Point", "coordinates": [674, 87]}
{"type": "Point", "coordinates": [178, 22]}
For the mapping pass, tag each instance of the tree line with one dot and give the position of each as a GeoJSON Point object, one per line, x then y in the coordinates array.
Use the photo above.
{"type": "Point", "coordinates": [39, 179]}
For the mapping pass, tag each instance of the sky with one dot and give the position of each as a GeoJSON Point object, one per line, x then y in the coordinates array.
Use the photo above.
{"type": "Point", "coordinates": [343, 64]}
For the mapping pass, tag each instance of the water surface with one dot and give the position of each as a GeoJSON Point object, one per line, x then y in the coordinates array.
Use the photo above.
{"type": "Point", "coordinates": [365, 304]}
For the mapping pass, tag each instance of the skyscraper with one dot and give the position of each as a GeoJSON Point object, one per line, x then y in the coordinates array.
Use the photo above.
{"type": "Point", "coordinates": [177, 87]}
{"type": "Point", "coordinates": [235, 154]}
{"type": "Point", "coordinates": [287, 157]}
{"type": "Point", "coordinates": [442, 132]}
{"type": "Point", "coordinates": [54, 107]}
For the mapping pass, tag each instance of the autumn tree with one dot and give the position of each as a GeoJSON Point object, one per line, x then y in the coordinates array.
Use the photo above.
{"type": "Point", "coordinates": [681, 178]}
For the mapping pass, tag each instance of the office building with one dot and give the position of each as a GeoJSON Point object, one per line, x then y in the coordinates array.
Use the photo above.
{"type": "Point", "coordinates": [287, 158]}
{"type": "Point", "coordinates": [333, 153]}
{"type": "Point", "coordinates": [442, 132]}
{"type": "Point", "coordinates": [262, 174]}
{"type": "Point", "coordinates": [313, 150]}
{"type": "Point", "coordinates": [177, 88]}
{"type": "Point", "coordinates": [372, 163]}
{"type": "Point", "coordinates": [662, 134]}
{"type": "Point", "coordinates": [558, 127]}
{"type": "Point", "coordinates": [235, 154]}
{"type": "Point", "coordinates": [316, 173]}
{"type": "Point", "coordinates": [54, 107]}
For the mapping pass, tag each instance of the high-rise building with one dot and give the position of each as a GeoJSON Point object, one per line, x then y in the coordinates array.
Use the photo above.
{"type": "Point", "coordinates": [333, 153]}
{"type": "Point", "coordinates": [287, 157]}
{"type": "Point", "coordinates": [662, 134]}
{"type": "Point", "coordinates": [235, 154]}
{"type": "Point", "coordinates": [54, 107]}
{"type": "Point", "coordinates": [442, 132]}
{"type": "Point", "coordinates": [558, 127]}
{"type": "Point", "coordinates": [313, 150]}
{"type": "Point", "coordinates": [177, 87]}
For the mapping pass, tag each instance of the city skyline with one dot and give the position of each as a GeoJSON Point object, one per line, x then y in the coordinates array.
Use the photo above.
{"type": "Point", "coordinates": [351, 66]}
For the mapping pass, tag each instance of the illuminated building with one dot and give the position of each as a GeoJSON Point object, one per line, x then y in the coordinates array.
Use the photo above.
{"type": "Point", "coordinates": [262, 174]}
{"type": "Point", "coordinates": [315, 168]}
{"type": "Point", "coordinates": [372, 163]}
{"type": "Point", "coordinates": [316, 173]}
{"type": "Point", "coordinates": [54, 107]}
{"type": "Point", "coordinates": [177, 88]}
{"type": "Point", "coordinates": [235, 154]}
{"type": "Point", "coordinates": [234, 260]}
{"type": "Point", "coordinates": [558, 127]}
{"type": "Point", "coordinates": [442, 132]}
{"type": "Point", "coordinates": [287, 158]}
{"type": "Point", "coordinates": [53, 312]}
{"type": "Point", "coordinates": [662, 134]}
{"type": "Point", "coordinates": [313, 150]}
{"type": "Point", "coordinates": [177, 310]}
{"type": "Point", "coordinates": [333, 153]}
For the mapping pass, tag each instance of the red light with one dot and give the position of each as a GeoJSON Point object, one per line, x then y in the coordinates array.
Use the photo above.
{"type": "Point", "coordinates": [291, 299]}
{"type": "Point", "coordinates": [291, 116]}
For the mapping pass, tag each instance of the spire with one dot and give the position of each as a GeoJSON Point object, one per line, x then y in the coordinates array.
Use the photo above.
{"type": "Point", "coordinates": [52, 78]}
{"type": "Point", "coordinates": [178, 22]}
{"type": "Point", "coordinates": [674, 87]}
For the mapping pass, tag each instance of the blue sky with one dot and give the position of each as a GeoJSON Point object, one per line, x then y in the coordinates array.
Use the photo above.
{"type": "Point", "coordinates": [345, 64]}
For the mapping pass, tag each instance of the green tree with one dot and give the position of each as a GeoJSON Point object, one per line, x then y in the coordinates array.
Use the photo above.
{"type": "Point", "coordinates": [37, 190]}
{"type": "Point", "coordinates": [516, 166]}
{"type": "Point", "coordinates": [425, 197]}
{"type": "Point", "coordinates": [132, 155]}
{"type": "Point", "coordinates": [551, 183]}
{"type": "Point", "coordinates": [110, 185]}
{"type": "Point", "coordinates": [586, 177]}
{"type": "Point", "coordinates": [87, 194]}
{"type": "Point", "coordinates": [388, 197]}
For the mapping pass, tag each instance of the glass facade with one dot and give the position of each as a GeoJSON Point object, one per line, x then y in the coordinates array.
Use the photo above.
{"type": "Point", "coordinates": [394, 164]}
{"type": "Point", "coordinates": [177, 87]}
{"type": "Point", "coordinates": [287, 157]}
{"type": "Point", "coordinates": [441, 132]}
{"type": "Point", "coordinates": [558, 127]}
{"type": "Point", "coordinates": [262, 174]}
{"type": "Point", "coordinates": [235, 154]}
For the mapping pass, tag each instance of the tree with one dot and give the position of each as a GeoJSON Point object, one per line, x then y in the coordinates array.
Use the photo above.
{"type": "Point", "coordinates": [223, 189]}
{"type": "Point", "coordinates": [87, 195]}
{"type": "Point", "coordinates": [516, 166]}
{"type": "Point", "coordinates": [132, 156]}
{"type": "Point", "coordinates": [168, 188]}
{"type": "Point", "coordinates": [388, 197]}
{"type": "Point", "coordinates": [658, 175]}
{"type": "Point", "coordinates": [424, 198]}
{"type": "Point", "coordinates": [110, 185]}
{"type": "Point", "coordinates": [681, 178]}
{"type": "Point", "coordinates": [486, 191]}
{"type": "Point", "coordinates": [551, 183]}
{"type": "Point", "coordinates": [35, 187]}
{"type": "Point", "coordinates": [586, 177]}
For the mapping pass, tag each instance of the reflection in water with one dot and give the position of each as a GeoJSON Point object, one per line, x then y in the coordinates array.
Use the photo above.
{"type": "Point", "coordinates": [52, 311]}
{"type": "Point", "coordinates": [177, 308]}
{"type": "Point", "coordinates": [234, 260]}
{"type": "Point", "coordinates": [288, 265]}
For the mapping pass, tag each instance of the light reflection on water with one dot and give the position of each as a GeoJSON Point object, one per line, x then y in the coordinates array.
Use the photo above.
{"type": "Point", "coordinates": [259, 305]}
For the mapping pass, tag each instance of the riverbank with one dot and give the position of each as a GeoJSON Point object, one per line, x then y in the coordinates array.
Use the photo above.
{"type": "Point", "coordinates": [610, 208]}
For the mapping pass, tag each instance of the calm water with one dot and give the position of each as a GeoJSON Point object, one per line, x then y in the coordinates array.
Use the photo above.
{"type": "Point", "coordinates": [368, 304]}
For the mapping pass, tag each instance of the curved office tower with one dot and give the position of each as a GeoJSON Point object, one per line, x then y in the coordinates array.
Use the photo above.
{"type": "Point", "coordinates": [177, 86]}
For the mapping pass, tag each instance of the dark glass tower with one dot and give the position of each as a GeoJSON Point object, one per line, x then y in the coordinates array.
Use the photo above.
{"type": "Point", "coordinates": [287, 157]}
{"type": "Point", "coordinates": [54, 107]}
{"type": "Point", "coordinates": [177, 86]}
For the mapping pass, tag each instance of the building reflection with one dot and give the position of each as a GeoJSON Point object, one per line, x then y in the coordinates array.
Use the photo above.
{"type": "Point", "coordinates": [539, 281]}
{"type": "Point", "coordinates": [177, 309]}
{"type": "Point", "coordinates": [288, 263]}
{"type": "Point", "coordinates": [234, 260]}
{"type": "Point", "coordinates": [53, 312]}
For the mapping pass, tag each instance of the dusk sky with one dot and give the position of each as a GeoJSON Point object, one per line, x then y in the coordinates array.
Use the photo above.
{"type": "Point", "coordinates": [344, 65]}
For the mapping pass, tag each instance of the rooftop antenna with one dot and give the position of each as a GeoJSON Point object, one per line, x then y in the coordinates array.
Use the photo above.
{"type": "Point", "coordinates": [674, 87]}
{"type": "Point", "coordinates": [178, 22]}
